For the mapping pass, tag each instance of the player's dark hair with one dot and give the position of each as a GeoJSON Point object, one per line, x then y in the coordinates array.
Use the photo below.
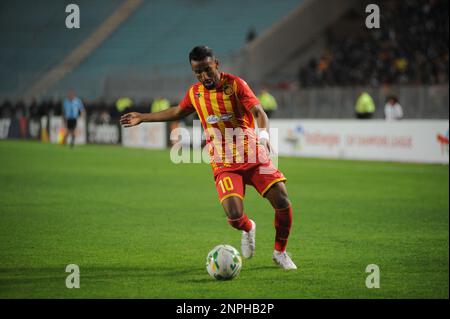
{"type": "Point", "coordinates": [200, 53]}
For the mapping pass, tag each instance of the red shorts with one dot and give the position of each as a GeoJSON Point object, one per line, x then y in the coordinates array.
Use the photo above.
{"type": "Point", "coordinates": [231, 181]}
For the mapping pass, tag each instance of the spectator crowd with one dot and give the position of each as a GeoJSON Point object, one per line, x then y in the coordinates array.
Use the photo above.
{"type": "Point", "coordinates": [410, 47]}
{"type": "Point", "coordinates": [99, 112]}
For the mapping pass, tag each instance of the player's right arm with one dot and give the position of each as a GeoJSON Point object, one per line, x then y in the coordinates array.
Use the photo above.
{"type": "Point", "coordinates": [184, 108]}
{"type": "Point", "coordinates": [171, 114]}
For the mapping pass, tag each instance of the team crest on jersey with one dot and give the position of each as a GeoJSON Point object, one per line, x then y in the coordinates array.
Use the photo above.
{"type": "Point", "coordinates": [213, 119]}
{"type": "Point", "coordinates": [228, 89]}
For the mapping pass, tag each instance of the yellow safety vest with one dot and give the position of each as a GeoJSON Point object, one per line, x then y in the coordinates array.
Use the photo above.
{"type": "Point", "coordinates": [159, 105]}
{"type": "Point", "coordinates": [268, 102]}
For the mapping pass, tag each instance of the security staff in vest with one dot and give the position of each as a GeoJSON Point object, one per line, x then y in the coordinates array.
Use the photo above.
{"type": "Point", "coordinates": [161, 104]}
{"type": "Point", "coordinates": [268, 102]}
{"type": "Point", "coordinates": [123, 103]}
{"type": "Point", "coordinates": [365, 107]}
{"type": "Point", "coordinates": [73, 109]}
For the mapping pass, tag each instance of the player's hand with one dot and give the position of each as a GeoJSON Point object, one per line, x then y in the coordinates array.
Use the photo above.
{"type": "Point", "coordinates": [131, 119]}
{"type": "Point", "coordinates": [265, 142]}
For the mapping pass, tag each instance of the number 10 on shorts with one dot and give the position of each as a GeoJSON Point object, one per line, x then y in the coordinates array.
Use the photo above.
{"type": "Point", "coordinates": [226, 184]}
{"type": "Point", "coordinates": [229, 185]}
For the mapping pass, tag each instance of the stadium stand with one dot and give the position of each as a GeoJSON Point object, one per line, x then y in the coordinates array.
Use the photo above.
{"type": "Point", "coordinates": [34, 38]}
{"type": "Point", "coordinates": [157, 38]}
{"type": "Point", "coordinates": [410, 48]}
{"type": "Point", "coordinates": [315, 73]}
{"type": "Point", "coordinates": [318, 73]}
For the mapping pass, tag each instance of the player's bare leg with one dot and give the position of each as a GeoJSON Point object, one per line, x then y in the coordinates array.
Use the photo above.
{"type": "Point", "coordinates": [234, 208]}
{"type": "Point", "coordinates": [72, 139]}
{"type": "Point", "coordinates": [278, 198]}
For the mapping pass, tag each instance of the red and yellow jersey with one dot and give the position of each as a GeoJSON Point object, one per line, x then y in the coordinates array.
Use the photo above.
{"type": "Point", "coordinates": [226, 119]}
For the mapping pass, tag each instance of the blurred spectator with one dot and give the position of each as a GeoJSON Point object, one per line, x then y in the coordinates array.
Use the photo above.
{"type": "Point", "coordinates": [22, 116]}
{"type": "Point", "coordinates": [251, 35]}
{"type": "Point", "coordinates": [6, 109]}
{"type": "Point", "coordinates": [393, 110]}
{"type": "Point", "coordinates": [268, 102]}
{"type": "Point", "coordinates": [104, 117]}
{"type": "Point", "coordinates": [365, 107]}
{"type": "Point", "coordinates": [73, 108]}
{"type": "Point", "coordinates": [34, 109]}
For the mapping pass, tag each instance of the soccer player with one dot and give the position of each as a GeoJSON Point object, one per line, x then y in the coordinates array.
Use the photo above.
{"type": "Point", "coordinates": [73, 108]}
{"type": "Point", "coordinates": [225, 102]}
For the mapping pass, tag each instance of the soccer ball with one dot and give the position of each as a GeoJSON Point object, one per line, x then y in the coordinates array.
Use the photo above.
{"type": "Point", "coordinates": [223, 262]}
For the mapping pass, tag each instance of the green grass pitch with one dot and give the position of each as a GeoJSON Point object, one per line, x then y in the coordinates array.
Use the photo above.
{"type": "Point", "coordinates": [139, 226]}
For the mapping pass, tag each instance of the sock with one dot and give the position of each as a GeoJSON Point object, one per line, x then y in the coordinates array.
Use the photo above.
{"type": "Point", "coordinates": [283, 222]}
{"type": "Point", "coordinates": [241, 223]}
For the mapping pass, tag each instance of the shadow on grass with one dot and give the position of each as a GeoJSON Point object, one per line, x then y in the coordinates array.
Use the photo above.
{"type": "Point", "coordinates": [29, 275]}
{"type": "Point", "coordinates": [265, 267]}
{"type": "Point", "coordinates": [208, 280]}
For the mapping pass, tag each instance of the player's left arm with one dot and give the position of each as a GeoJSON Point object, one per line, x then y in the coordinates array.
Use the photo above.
{"type": "Point", "coordinates": [251, 103]}
{"type": "Point", "coordinates": [263, 125]}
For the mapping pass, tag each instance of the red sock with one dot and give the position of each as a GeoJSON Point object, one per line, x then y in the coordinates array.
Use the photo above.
{"type": "Point", "coordinates": [283, 222]}
{"type": "Point", "coordinates": [241, 223]}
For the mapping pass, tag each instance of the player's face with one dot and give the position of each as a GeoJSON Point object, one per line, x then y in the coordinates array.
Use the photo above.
{"type": "Point", "coordinates": [207, 72]}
